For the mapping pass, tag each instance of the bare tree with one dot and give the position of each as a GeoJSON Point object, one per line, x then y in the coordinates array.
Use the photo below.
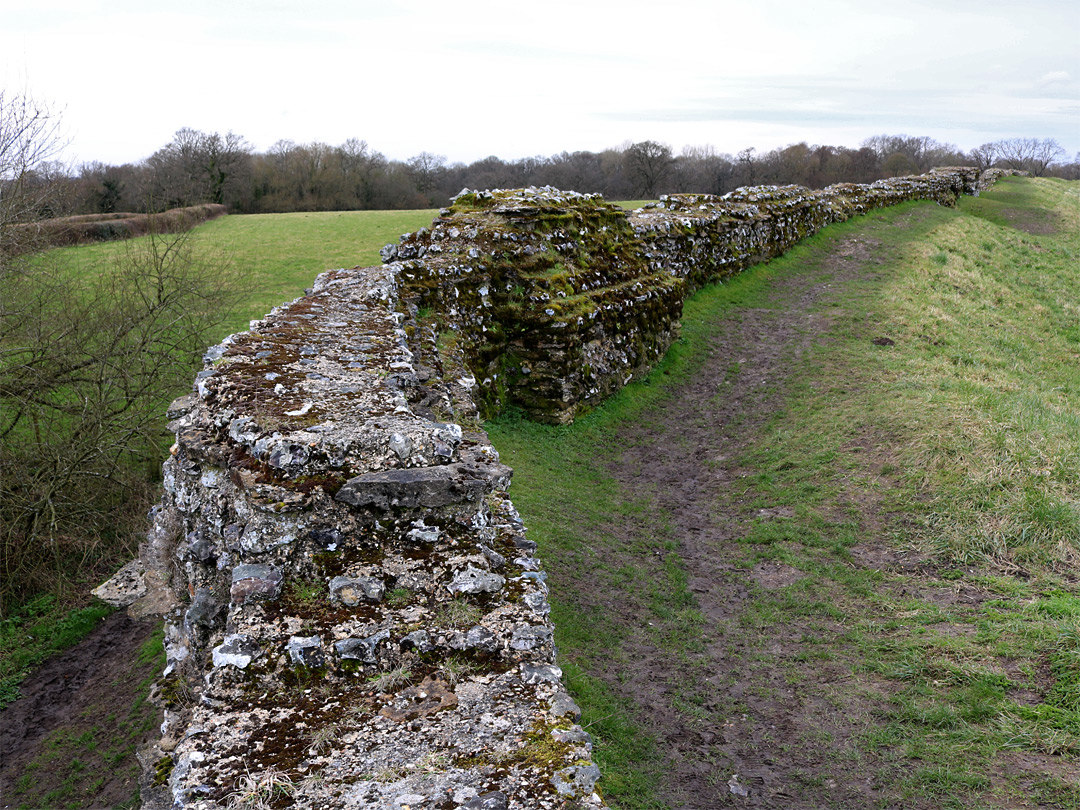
{"type": "Point", "coordinates": [921, 152]}
{"type": "Point", "coordinates": [649, 164]}
{"type": "Point", "coordinates": [88, 362]}
{"type": "Point", "coordinates": [199, 167]}
{"type": "Point", "coordinates": [1030, 155]}
{"type": "Point", "coordinates": [984, 156]}
{"type": "Point", "coordinates": [30, 140]}
{"type": "Point", "coordinates": [747, 165]}
{"type": "Point", "coordinates": [426, 168]}
{"type": "Point", "coordinates": [359, 167]}
{"type": "Point", "coordinates": [703, 169]}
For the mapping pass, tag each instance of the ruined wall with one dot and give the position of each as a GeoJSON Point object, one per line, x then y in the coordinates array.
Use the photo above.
{"type": "Point", "coordinates": [558, 298]}
{"type": "Point", "coordinates": [355, 617]}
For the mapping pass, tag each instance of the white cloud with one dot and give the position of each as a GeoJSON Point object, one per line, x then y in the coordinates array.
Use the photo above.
{"type": "Point", "coordinates": [1053, 77]}
{"type": "Point", "coordinates": [479, 77]}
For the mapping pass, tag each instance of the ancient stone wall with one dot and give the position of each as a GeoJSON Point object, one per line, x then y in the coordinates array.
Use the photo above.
{"type": "Point", "coordinates": [355, 617]}
{"type": "Point", "coordinates": [556, 299]}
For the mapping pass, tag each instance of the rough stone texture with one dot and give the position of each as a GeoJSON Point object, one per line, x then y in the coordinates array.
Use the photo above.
{"type": "Point", "coordinates": [353, 611]}
{"type": "Point", "coordinates": [126, 586]}
{"type": "Point", "coordinates": [351, 607]}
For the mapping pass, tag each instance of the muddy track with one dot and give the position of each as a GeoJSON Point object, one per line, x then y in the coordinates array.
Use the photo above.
{"type": "Point", "coordinates": [88, 690]}
{"type": "Point", "coordinates": [757, 739]}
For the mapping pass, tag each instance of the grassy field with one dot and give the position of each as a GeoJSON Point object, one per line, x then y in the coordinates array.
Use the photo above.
{"type": "Point", "coordinates": [276, 256]}
{"type": "Point", "coordinates": [969, 640]}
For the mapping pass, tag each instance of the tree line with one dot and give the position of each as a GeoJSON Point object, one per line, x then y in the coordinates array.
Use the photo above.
{"type": "Point", "coordinates": [198, 167]}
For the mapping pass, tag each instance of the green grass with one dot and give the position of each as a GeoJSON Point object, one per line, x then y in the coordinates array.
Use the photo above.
{"type": "Point", "coordinates": [973, 409]}
{"type": "Point", "coordinates": [39, 629]}
{"type": "Point", "coordinates": [277, 256]}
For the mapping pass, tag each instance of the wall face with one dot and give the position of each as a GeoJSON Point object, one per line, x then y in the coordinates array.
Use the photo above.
{"type": "Point", "coordinates": [353, 610]}
{"type": "Point", "coordinates": [545, 293]}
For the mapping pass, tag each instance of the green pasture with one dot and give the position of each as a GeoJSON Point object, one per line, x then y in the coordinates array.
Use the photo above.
{"type": "Point", "coordinates": [275, 257]}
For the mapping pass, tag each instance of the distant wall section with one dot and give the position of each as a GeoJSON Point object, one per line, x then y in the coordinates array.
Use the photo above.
{"type": "Point", "coordinates": [556, 299]}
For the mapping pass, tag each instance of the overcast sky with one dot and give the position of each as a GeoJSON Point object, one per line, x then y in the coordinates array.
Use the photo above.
{"type": "Point", "coordinates": [467, 79]}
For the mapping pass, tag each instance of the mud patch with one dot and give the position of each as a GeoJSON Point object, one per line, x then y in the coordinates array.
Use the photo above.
{"type": "Point", "coordinates": [70, 740]}
{"type": "Point", "coordinates": [1032, 220]}
{"type": "Point", "coordinates": [775, 575]}
{"type": "Point", "coordinates": [779, 714]}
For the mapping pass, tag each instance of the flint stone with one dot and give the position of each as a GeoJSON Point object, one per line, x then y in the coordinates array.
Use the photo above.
{"type": "Point", "coordinates": [417, 640]}
{"type": "Point", "coordinates": [306, 651]}
{"type": "Point", "coordinates": [201, 549]}
{"type": "Point", "coordinates": [204, 609]}
{"type": "Point", "coordinates": [427, 534]}
{"type": "Point", "coordinates": [237, 650]}
{"type": "Point", "coordinates": [181, 406]}
{"type": "Point", "coordinates": [496, 800]}
{"type": "Point", "coordinates": [401, 445]}
{"type": "Point", "coordinates": [523, 544]}
{"type": "Point", "coordinates": [472, 580]}
{"type": "Point", "coordinates": [540, 673]}
{"type": "Point", "coordinates": [538, 602]}
{"type": "Point", "coordinates": [201, 445]}
{"type": "Point", "coordinates": [577, 780]}
{"type": "Point", "coordinates": [327, 538]}
{"type": "Point", "coordinates": [254, 582]}
{"type": "Point", "coordinates": [536, 576]}
{"type": "Point", "coordinates": [563, 705]}
{"type": "Point", "coordinates": [352, 591]}
{"type": "Point", "coordinates": [528, 637]}
{"type": "Point", "coordinates": [232, 534]}
{"type": "Point", "coordinates": [427, 487]}
{"type": "Point", "coordinates": [361, 649]}
{"type": "Point", "coordinates": [413, 702]}
{"type": "Point", "coordinates": [124, 587]}
{"type": "Point", "coordinates": [494, 558]}
{"type": "Point", "coordinates": [574, 736]}
{"type": "Point", "coordinates": [477, 638]}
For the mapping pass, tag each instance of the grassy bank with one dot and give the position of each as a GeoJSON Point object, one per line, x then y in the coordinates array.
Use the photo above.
{"type": "Point", "coordinates": [919, 493]}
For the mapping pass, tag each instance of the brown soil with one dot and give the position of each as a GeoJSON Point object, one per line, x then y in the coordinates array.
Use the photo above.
{"type": "Point", "coordinates": [1032, 220]}
{"type": "Point", "coordinates": [80, 706]}
{"type": "Point", "coordinates": [767, 731]}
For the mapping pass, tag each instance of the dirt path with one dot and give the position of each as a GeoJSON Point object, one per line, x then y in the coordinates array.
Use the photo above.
{"type": "Point", "coordinates": [758, 737]}
{"type": "Point", "coordinates": [70, 739]}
